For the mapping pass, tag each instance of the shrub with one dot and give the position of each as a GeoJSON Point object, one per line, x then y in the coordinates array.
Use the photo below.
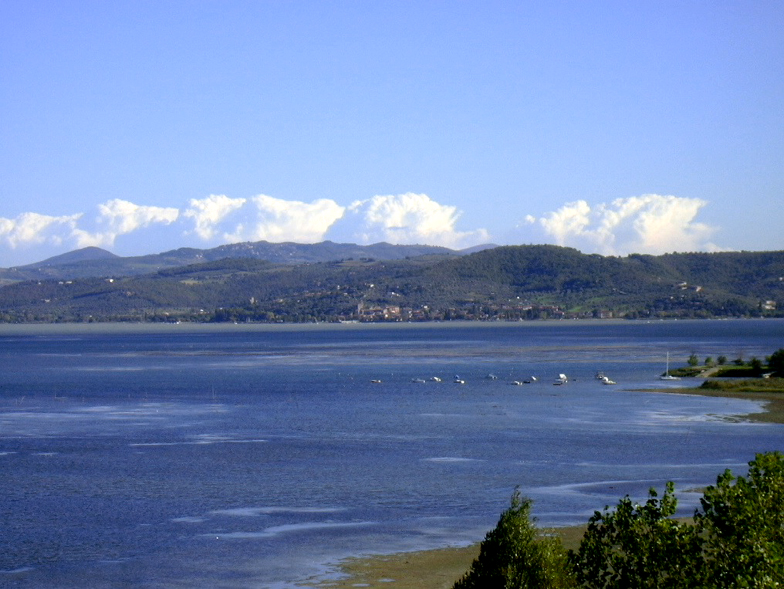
{"type": "Point", "coordinates": [742, 520]}
{"type": "Point", "coordinates": [515, 556]}
{"type": "Point", "coordinates": [735, 541]}
{"type": "Point", "coordinates": [776, 362]}
{"type": "Point", "coordinates": [639, 546]}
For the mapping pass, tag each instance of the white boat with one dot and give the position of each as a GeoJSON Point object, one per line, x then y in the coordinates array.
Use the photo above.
{"type": "Point", "coordinates": [418, 380]}
{"type": "Point", "coordinates": [435, 379]}
{"type": "Point", "coordinates": [667, 375]}
{"type": "Point", "coordinates": [561, 379]}
{"type": "Point", "coordinates": [600, 376]}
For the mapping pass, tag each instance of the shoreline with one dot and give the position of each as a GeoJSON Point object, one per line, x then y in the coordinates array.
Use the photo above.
{"type": "Point", "coordinates": [772, 410]}
{"type": "Point", "coordinates": [439, 568]}
{"type": "Point", "coordinates": [427, 569]}
{"type": "Point", "coordinates": [69, 327]}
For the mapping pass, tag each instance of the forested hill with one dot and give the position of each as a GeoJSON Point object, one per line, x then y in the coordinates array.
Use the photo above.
{"type": "Point", "coordinates": [513, 282]}
{"type": "Point", "coordinates": [96, 262]}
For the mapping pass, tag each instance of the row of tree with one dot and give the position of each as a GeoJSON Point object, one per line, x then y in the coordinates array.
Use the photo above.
{"type": "Point", "coordinates": [773, 364]}
{"type": "Point", "coordinates": [736, 539]}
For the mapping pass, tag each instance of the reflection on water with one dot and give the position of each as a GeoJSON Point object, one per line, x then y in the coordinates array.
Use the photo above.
{"type": "Point", "coordinates": [252, 457]}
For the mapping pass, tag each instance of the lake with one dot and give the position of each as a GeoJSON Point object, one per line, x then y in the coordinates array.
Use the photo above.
{"type": "Point", "coordinates": [259, 456]}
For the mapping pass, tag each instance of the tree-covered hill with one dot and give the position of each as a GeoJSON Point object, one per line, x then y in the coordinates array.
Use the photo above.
{"type": "Point", "coordinates": [93, 262]}
{"type": "Point", "coordinates": [512, 282]}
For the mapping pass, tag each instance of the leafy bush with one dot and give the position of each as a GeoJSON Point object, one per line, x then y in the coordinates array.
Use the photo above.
{"type": "Point", "coordinates": [776, 362]}
{"type": "Point", "coordinates": [742, 521]}
{"type": "Point", "coordinates": [638, 546]}
{"type": "Point", "coordinates": [515, 556]}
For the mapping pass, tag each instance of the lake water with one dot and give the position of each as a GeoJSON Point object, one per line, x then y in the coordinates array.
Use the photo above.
{"type": "Point", "coordinates": [259, 456]}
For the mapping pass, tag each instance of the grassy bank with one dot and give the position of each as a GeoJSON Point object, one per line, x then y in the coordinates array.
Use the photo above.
{"type": "Point", "coordinates": [768, 390]}
{"type": "Point", "coordinates": [430, 569]}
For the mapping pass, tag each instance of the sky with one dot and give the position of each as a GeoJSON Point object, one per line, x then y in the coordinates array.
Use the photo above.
{"type": "Point", "coordinates": [141, 126]}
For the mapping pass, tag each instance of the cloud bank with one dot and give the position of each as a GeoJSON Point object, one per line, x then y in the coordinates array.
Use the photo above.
{"type": "Point", "coordinates": [34, 229]}
{"type": "Point", "coordinates": [208, 213]}
{"type": "Point", "coordinates": [649, 223]}
{"type": "Point", "coordinates": [411, 219]}
{"type": "Point", "coordinates": [121, 217]}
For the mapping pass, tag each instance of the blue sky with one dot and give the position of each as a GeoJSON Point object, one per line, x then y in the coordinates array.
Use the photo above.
{"type": "Point", "coordinates": [613, 127]}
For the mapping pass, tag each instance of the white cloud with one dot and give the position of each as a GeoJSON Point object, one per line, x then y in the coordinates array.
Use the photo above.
{"type": "Point", "coordinates": [279, 220]}
{"type": "Point", "coordinates": [209, 212]}
{"type": "Point", "coordinates": [411, 219]}
{"type": "Point", "coordinates": [651, 223]}
{"type": "Point", "coordinates": [119, 217]}
{"type": "Point", "coordinates": [570, 220]}
{"type": "Point", "coordinates": [35, 229]}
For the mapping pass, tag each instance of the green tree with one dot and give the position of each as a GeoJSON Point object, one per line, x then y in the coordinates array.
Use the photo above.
{"type": "Point", "coordinates": [515, 556]}
{"type": "Point", "coordinates": [693, 360]}
{"type": "Point", "coordinates": [742, 520]}
{"type": "Point", "coordinates": [639, 546]}
{"type": "Point", "coordinates": [736, 541]}
{"type": "Point", "coordinates": [722, 360]}
{"type": "Point", "coordinates": [776, 362]}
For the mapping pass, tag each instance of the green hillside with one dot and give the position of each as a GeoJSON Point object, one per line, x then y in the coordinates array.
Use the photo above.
{"type": "Point", "coordinates": [508, 283]}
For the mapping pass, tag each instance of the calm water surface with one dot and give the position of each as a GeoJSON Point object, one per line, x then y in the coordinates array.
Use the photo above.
{"type": "Point", "coordinates": [252, 456]}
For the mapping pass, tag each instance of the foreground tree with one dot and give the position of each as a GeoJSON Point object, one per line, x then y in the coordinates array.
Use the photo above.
{"type": "Point", "coordinates": [639, 546]}
{"type": "Point", "coordinates": [735, 541]}
{"type": "Point", "coordinates": [742, 521]}
{"type": "Point", "coordinates": [515, 556]}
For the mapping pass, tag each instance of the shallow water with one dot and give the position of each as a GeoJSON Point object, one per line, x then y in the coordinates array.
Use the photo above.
{"type": "Point", "coordinates": [257, 456]}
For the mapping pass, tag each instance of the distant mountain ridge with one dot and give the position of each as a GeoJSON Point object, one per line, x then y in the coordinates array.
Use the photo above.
{"type": "Point", "coordinates": [502, 283]}
{"type": "Point", "coordinates": [97, 262]}
{"type": "Point", "coordinates": [86, 254]}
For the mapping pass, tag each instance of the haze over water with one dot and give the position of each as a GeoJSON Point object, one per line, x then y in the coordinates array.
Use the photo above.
{"type": "Point", "coordinates": [259, 456]}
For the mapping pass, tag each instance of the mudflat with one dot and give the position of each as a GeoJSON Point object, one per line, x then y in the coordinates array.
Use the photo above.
{"type": "Point", "coordinates": [429, 569]}
{"type": "Point", "coordinates": [773, 411]}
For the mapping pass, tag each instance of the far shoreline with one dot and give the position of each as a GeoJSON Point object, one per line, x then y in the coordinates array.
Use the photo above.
{"type": "Point", "coordinates": [100, 327]}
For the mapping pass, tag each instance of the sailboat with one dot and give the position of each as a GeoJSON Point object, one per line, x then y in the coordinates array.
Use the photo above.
{"type": "Point", "coordinates": [667, 375]}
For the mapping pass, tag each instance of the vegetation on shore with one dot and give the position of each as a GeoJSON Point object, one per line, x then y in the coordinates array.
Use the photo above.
{"type": "Point", "coordinates": [740, 380]}
{"type": "Point", "coordinates": [736, 539]}
{"type": "Point", "coordinates": [755, 385]}
{"type": "Point", "coordinates": [773, 366]}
